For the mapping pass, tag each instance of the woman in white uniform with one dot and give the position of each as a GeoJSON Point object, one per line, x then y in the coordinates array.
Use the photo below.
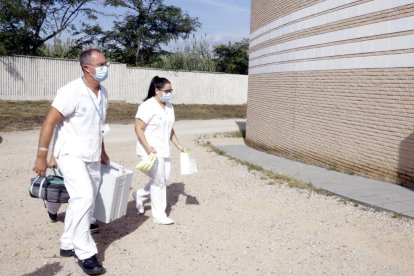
{"type": "Point", "coordinates": [154, 123]}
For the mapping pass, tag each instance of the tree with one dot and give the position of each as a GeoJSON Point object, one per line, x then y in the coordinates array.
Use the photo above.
{"type": "Point", "coordinates": [25, 25]}
{"type": "Point", "coordinates": [68, 49]}
{"type": "Point", "coordinates": [138, 38]}
{"type": "Point", "coordinates": [233, 58]}
{"type": "Point", "coordinates": [195, 55]}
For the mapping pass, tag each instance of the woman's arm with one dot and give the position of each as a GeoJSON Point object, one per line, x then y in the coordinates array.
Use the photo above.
{"type": "Point", "coordinates": [175, 141]}
{"type": "Point", "coordinates": [140, 127]}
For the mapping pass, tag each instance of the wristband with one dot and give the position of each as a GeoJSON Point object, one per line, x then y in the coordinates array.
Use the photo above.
{"type": "Point", "coordinates": [43, 149]}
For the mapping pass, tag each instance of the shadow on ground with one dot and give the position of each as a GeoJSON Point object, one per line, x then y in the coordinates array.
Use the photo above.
{"type": "Point", "coordinates": [405, 172]}
{"type": "Point", "coordinates": [129, 223]}
{"type": "Point", "coordinates": [242, 127]}
{"type": "Point", "coordinates": [118, 229]}
{"type": "Point", "coordinates": [108, 233]}
{"type": "Point", "coordinates": [48, 269]}
{"type": "Point", "coordinates": [174, 191]}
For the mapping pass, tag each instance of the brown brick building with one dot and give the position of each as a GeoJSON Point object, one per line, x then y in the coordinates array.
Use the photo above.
{"type": "Point", "coordinates": [332, 82]}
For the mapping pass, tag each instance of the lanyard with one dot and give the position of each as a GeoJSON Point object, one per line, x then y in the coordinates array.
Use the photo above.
{"type": "Point", "coordinates": [101, 116]}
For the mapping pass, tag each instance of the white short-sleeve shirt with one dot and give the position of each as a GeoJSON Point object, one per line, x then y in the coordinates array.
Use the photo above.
{"type": "Point", "coordinates": [79, 134]}
{"type": "Point", "coordinates": [159, 123]}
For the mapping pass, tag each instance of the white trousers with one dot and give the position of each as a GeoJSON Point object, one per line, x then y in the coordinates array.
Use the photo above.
{"type": "Point", "coordinates": [156, 188]}
{"type": "Point", "coordinates": [82, 181]}
{"type": "Point", "coordinates": [53, 208]}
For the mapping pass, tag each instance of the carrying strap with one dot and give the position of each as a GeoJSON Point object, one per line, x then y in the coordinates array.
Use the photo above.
{"type": "Point", "coordinates": [39, 193]}
{"type": "Point", "coordinates": [59, 175]}
{"type": "Point", "coordinates": [41, 186]}
{"type": "Point", "coordinates": [32, 186]}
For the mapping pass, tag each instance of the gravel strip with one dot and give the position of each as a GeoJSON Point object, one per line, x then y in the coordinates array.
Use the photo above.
{"type": "Point", "coordinates": [229, 221]}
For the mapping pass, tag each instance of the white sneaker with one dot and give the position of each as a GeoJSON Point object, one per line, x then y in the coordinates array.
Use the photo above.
{"type": "Point", "coordinates": [163, 220]}
{"type": "Point", "coordinates": [138, 203]}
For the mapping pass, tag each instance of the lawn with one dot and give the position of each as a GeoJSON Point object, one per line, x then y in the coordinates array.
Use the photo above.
{"type": "Point", "coordinates": [24, 115]}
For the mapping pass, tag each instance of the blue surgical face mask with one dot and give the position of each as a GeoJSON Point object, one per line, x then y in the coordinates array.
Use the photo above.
{"type": "Point", "coordinates": [166, 97]}
{"type": "Point", "coordinates": [101, 73]}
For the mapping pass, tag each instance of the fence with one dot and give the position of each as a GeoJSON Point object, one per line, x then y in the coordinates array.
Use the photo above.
{"type": "Point", "coordinates": [37, 78]}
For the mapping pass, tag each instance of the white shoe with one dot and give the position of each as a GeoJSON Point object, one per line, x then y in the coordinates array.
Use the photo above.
{"type": "Point", "coordinates": [138, 203]}
{"type": "Point", "coordinates": [163, 220]}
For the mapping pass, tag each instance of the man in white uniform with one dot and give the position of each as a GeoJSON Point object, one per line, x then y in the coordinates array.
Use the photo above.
{"type": "Point", "coordinates": [78, 112]}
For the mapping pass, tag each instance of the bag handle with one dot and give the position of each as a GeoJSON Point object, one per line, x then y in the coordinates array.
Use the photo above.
{"type": "Point", "coordinates": [56, 172]}
{"type": "Point", "coordinates": [48, 173]}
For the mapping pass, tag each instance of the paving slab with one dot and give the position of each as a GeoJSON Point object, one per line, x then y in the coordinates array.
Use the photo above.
{"type": "Point", "coordinates": [367, 191]}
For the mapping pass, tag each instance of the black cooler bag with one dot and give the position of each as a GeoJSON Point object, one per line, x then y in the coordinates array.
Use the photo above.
{"type": "Point", "coordinates": [49, 187]}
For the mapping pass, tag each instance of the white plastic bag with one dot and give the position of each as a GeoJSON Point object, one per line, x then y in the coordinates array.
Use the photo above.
{"type": "Point", "coordinates": [187, 162]}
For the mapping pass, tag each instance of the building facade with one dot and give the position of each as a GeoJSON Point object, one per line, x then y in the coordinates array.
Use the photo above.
{"type": "Point", "coordinates": [332, 83]}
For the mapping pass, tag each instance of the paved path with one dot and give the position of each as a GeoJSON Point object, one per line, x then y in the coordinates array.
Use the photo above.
{"type": "Point", "coordinates": [366, 191]}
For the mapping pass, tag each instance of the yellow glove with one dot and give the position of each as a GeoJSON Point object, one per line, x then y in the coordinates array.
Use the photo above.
{"type": "Point", "coordinates": [146, 164]}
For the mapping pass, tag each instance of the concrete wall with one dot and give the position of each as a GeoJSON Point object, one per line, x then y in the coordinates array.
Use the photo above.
{"type": "Point", "coordinates": [35, 78]}
{"type": "Point", "coordinates": [332, 82]}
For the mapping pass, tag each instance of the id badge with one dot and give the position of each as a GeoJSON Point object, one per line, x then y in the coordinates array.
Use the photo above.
{"type": "Point", "coordinates": [105, 129]}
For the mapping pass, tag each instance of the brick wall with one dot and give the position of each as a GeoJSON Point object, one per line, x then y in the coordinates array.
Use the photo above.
{"type": "Point", "coordinates": [264, 12]}
{"type": "Point", "coordinates": [332, 83]}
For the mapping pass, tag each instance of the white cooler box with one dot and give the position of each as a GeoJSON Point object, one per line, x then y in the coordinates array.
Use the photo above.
{"type": "Point", "coordinates": [112, 199]}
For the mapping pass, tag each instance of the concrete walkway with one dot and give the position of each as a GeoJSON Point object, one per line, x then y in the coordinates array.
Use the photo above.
{"type": "Point", "coordinates": [366, 191]}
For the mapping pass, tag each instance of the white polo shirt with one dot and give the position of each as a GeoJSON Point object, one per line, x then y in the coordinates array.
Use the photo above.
{"type": "Point", "coordinates": [79, 134]}
{"type": "Point", "coordinates": [159, 122]}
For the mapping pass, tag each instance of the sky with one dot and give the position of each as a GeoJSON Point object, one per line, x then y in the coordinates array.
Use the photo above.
{"type": "Point", "coordinates": [221, 20]}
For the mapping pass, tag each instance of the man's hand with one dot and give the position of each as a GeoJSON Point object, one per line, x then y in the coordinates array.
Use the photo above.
{"type": "Point", "coordinates": [40, 165]}
{"type": "Point", "coordinates": [52, 163]}
{"type": "Point", "coordinates": [104, 158]}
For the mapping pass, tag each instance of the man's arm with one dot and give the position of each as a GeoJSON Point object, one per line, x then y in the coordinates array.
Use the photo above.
{"type": "Point", "coordinates": [52, 118]}
{"type": "Point", "coordinates": [104, 156]}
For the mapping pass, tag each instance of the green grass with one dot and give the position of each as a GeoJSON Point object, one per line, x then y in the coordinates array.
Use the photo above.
{"type": "Point", "coordinates": [396, 215]}
{"type": "Point", "coordinates": [24, 115]}
{"type": "Point", "coordinates": [207, 112]}
{"type": "Point", "coordinates": [234, 134]}
{"type": "Point", "coordinates": [338, 169]}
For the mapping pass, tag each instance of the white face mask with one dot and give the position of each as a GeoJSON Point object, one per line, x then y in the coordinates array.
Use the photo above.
{"type": "Point", "coordinates": [166, 97]}
{"type": "Point", "coordinates": [101, 73]}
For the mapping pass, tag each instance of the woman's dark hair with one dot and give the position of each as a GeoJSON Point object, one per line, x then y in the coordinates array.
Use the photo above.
{"type": "Point", "coordinates": [157, 83]}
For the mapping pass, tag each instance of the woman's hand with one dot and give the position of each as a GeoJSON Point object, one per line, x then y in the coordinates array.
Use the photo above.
{"type": "Point", "coordinates": [151, 150]}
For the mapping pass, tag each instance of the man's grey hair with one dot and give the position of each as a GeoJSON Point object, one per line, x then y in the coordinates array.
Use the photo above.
{"type": "Point", "coordinates": [85, 56]}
